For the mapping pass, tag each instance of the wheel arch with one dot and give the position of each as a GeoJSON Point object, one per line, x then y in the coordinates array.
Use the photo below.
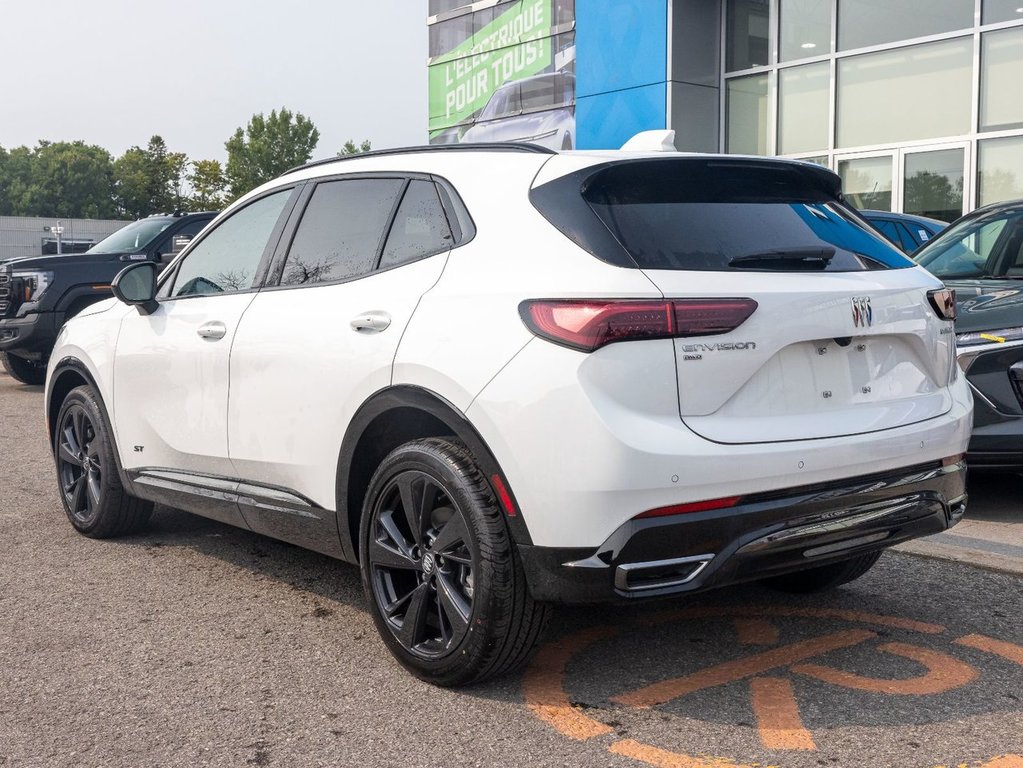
{"type": "Point", "coordinates": [388, 419]}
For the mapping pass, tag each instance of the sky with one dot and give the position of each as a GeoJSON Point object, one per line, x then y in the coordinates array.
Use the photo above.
{"type": "Point", "coordinates": [115, 72]}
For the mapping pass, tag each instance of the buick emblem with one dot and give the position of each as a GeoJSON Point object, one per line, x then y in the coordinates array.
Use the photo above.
{"type": "Point", "coordinates": [428, 563]}
{"type": "Point", "coordinates": [863, 315]}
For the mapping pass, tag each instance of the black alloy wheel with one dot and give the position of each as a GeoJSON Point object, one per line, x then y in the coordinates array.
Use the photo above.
{"type": "Point", "coordinates": [79, 465]}
{"type": "Point", "coordinates": [422, 561]}
{"type": "Point", "coordinates": [88, 479]}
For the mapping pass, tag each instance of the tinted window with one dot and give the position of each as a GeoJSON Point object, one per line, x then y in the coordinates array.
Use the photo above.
{"type": "Point", "coordinates": [720, 216]}
{"type": "Point", "coordinates": [341, 231]}
{"type": "Point", "coordinates": [989, 246]}
{"type": "Point", "coordinates": [176, 243]}
{"type": "Point", "coordinates": [228, 257]}
{"type": "Point", "coordinates": [420, 227]}
{"type": "Point", "coordinates": [909, 241]}
{"type": "Point", "coordinates": [887, 228]}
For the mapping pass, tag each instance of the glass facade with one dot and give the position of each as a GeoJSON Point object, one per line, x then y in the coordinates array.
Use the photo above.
{"type": "Point", "coordinates": [915, 103]}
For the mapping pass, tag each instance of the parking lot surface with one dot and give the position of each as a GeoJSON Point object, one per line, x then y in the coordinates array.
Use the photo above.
{"type": "Point", "coordinates": [200, 644]}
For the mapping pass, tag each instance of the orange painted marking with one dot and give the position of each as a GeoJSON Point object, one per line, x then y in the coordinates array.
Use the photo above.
{"type": "Point", "coordinates": [944, 673]}
{"type": "Point", "coordinates": [857, 617]}
{"type": "Point", "coordinates": [731, 671]}
{"type": "Point", "coordinates": [774, 704]}
{"type": "Point", "coordinates": [544, 686]}
{"type": "Point", "coordinates": [997, 647]}
{"type": "Point", "coordinates": [661, 758]}
{"type": "Point", "coordinates": [1005, 761]}
{"type": "Point", "coordinates": [756, 632]}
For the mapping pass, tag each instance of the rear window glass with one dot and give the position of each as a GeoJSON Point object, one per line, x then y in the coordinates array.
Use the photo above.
{"type": "Point", "coordinates": [721, 215]}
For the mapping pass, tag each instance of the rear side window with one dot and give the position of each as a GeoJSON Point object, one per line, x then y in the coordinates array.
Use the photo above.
{"type": "Point", "coordinates": [341, 230]}
{"type": "Point", "coordinates": [719, 215]}
{"type": "Point", "coordinates": [420, 227]}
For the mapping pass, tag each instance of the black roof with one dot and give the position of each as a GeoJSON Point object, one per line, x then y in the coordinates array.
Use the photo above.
{"type": "Point", "coordinates": [494, 146]}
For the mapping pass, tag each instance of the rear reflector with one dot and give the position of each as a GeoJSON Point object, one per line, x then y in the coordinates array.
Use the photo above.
{"type": "Point", "coordinates": [687, 509]}
{"type": "Point", "coordinates": [944, 303]}
{"type": "Point", "coordinates": [590, 324]}
{"type": "Point", "coordinates": [503, 496]}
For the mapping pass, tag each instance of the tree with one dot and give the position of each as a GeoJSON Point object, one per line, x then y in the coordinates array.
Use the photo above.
{"type": "Point", "coordinates": [209, 185]}
{"type": "Point", "coordinates": [150, 180]}
{"type": "Point", "coordinates": [350, 148]}
{"type": "Point", "coordinates": [61, 179]}
{"type": "Point", "coordinates": [267, 147]}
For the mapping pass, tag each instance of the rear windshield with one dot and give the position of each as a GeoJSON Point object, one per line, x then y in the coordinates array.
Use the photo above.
{"type": "Point", "coordinates": [723, 215]}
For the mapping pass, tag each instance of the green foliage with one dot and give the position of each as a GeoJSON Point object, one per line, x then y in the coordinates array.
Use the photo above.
{"type": "Point", "coordinates": [65, 179]}
{"type": "Point", "coordinates": [209, 186]}
{"type": "Point", "coordinates": [267, 147]}
{"type": "Point", "coordinates": [148, 181]}
{"type": "Point", "coordinates": [351, 148]}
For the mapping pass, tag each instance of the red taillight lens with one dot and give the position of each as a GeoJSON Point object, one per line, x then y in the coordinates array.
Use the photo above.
{"type": "Point", "coordinates": [590, 324]}
{"type": "Point", "coordinates": [944, 303]}
{"type": "Point", "coordinates": [687, 509]}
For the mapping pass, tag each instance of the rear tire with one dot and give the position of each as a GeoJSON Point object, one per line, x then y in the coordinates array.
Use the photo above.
{"type": "Point", "coordinates": [824, 577]}
{"type": "Point", "coordinates": [442, 576]}
{"type": "Point", "coordinates": [88, 481]}
{"type": "Point", "coordinates": [24, 370]}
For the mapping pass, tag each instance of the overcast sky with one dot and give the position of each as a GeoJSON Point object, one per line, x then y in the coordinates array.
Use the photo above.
{"type": "Point", "coordinates": [115, 72]}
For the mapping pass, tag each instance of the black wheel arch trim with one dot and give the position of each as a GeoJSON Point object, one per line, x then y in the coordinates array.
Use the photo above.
{"type": "Point", "coordinates": [417, 398]}
{"type": "Point", "coordinates": [73, 364]}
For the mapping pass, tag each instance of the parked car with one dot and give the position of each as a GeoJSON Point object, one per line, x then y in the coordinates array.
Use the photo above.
{"type": "Point", "coordinates": [536, 109]}
{"type": "Point", "coordinates": [905, 230]}
{"type": "Point", "coordinates": [591, 381]}
{"type": "Point", "coordinates": [981, 257]}
{"type": "Point", "coordinates": [37, 294]}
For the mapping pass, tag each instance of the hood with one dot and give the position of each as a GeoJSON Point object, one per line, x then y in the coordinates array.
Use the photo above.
{"type": "Point", "coordinates": [986, 305]}
{"type": "Point", "coordinates": [49, 262]}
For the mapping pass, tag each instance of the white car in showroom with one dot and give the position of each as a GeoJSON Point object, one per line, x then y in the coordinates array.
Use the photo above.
{"type": "Point", "coordinates": [499, 377]}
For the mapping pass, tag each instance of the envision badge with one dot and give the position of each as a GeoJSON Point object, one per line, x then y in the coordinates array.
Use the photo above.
{"type": "Point", "coordinates": [863, 315]}
{"type": "Point", "coordinates": [726, 347]}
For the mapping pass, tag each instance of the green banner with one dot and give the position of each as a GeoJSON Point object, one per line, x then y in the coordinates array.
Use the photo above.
{"type": "Point", "coordinates": [515, 45]}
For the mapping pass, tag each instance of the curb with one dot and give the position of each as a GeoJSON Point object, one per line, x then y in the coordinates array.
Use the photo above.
{"type": "Point", "coordinates": [988, 561]}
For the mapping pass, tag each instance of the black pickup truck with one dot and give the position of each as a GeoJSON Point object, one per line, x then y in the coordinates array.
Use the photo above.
{"type": "Point", "coordinates": [39, 293]}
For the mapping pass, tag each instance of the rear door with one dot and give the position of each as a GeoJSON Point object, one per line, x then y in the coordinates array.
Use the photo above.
{"type": "Point", "coordinates": [312, 349]}
{"type": "Point", "coordinates": [843, 339]}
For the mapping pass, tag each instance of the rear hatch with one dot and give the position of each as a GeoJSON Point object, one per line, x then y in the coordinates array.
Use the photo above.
{"type": "Point", "coordinates": [842, 340]}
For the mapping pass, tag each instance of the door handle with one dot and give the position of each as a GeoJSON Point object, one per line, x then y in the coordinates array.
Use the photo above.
{"type": "Point", "coordinates": [213, 330]}
{"type": "Point", "coordinates": [371, 321]}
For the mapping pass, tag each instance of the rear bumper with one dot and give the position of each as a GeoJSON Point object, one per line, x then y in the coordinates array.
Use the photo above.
{"type": "Point", "coordinates": [32, 334]}
{"type": "Point", "coordinates": [766, 535]}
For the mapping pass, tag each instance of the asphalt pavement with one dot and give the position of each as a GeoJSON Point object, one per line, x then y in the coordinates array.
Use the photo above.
{"type": "Point", "coordinates": [197, 644]}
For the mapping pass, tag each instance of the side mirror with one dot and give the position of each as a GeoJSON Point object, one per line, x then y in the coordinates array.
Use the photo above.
{"type": "Point", "coordinates": [136, 285]}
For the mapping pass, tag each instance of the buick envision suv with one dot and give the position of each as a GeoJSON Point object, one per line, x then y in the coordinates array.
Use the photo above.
{"type": "Point", "coordinates": [500, 377]}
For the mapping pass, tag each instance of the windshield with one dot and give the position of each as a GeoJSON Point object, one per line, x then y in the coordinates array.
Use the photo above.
{"type": "Point", "coordinates": [134, 237]}
{"type": "Point", "coordinates": [988, 246]}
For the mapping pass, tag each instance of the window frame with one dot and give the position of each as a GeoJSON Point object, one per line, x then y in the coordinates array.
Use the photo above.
{"type": "Point", "coordinates": [463, 229]}
{"type": "Point", "coordinates": [166, 279]}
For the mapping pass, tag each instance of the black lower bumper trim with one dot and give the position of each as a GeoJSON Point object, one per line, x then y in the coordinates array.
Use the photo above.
{"type": "Point", "coordinates": [765, 536]}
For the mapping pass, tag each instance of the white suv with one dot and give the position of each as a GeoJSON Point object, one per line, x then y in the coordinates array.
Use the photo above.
{"type": "Point", "coordinates": [498, 377]}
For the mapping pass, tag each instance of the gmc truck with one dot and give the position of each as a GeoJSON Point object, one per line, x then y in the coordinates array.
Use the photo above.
{"type": "Point", "coordinates": [39, 293]}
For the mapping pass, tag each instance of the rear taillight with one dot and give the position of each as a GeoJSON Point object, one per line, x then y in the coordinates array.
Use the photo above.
{"type": "Point", "coordinates": [690, 508]}
{"type": "Point", "coordinates": [944, 303]}
{"type": "Point", "coordinates": [591, 323]}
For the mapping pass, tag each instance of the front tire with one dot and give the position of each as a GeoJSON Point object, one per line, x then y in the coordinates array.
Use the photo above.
{"type": "Point", "coordinates": [24, 370]}
{"type": "Point", "coordinates": [442, 576]}
{"type": "Point", "coordinates": [89, 485]}
{"type": "Point", "coordinates": [824, 577]}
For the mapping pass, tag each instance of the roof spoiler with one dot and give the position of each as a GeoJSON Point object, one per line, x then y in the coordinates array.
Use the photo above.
{"type": "Point", "coordinates": [651, 141]}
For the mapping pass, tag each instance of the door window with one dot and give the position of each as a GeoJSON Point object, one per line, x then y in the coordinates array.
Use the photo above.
{"type": "Point", "coordinates": [933, 184]}
{"type": "Point", "coordinates": [420, 227]}
{"type": "Point", "coordinates": [176, 242]}
{"type": "Point", "coordinates": [341, 231]}
{"type": "Point", "coordinates": [227, 260]}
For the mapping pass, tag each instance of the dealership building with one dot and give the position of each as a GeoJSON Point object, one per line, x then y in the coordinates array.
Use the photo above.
{"type": "Point", "coordinates": [917, 104]}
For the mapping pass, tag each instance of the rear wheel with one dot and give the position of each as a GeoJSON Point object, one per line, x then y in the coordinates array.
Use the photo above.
{"type": "Point", "coordinates": [441, 573]}
{"type": "Point", "coordinates": [90, 487]}
{"type": "Point", "coordinates": [824, 577]}
{"type": "Point", "coordinates": [24, 370]}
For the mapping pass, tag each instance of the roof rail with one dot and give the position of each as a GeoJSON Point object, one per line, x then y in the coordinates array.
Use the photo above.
{"type": "Point", "coordinates": [483, 146]}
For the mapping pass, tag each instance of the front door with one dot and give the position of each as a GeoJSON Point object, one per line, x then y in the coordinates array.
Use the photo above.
{"type": "Point", "coordinates": [171, 370]}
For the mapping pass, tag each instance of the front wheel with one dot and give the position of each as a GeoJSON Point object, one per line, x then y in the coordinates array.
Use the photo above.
{"type": "Point", "coordinates": [24, 370]}
{"type": "Point", "coordinates": [88, 482]}
{"type": "Point", "coordinates": [824, 577]}
{"type": "Point", "coordinates": [443, 579]}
